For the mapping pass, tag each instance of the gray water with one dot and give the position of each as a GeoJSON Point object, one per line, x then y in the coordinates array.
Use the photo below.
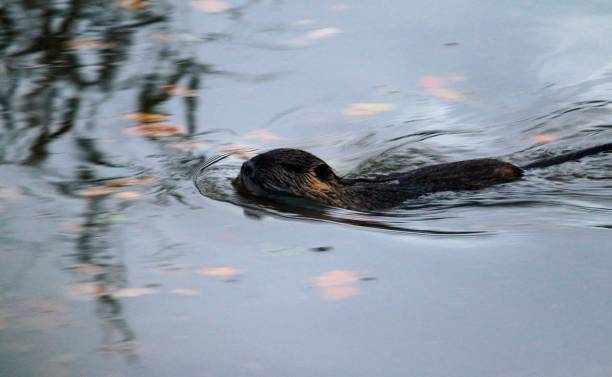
{"type": "Point", "coordinates": [160, 274]}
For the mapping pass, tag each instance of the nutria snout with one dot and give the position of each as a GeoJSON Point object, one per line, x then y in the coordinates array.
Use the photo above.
{"type": "Point", "coordinates": [297, 173]}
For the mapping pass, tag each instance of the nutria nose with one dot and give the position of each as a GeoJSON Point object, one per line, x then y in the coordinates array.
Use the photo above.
{"type": "Point", "coordinates": [248, 168]}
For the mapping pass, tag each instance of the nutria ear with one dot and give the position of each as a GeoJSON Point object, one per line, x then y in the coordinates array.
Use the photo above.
{"type": "Point", "coordinates": [324, 172]}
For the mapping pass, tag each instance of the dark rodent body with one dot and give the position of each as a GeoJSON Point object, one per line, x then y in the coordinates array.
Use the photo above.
{"type": "Point", "coordinates": [298, 173]}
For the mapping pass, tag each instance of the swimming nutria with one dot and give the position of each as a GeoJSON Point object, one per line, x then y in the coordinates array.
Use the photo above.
{"type": "Point", "coordinates": [298, 173]}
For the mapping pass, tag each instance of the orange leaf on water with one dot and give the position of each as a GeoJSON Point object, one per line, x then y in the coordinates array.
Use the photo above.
{"type": "Point", "coordinates": [131, 4]}
{"type": "Point", "coordinates": [154, 130]}
{"type": "Point", "coordinates": [174, 90]}
{"type": "Point", "coordinates": [339, 293]}
{"type": "Point", "coordinates": [96, 191]}
{"type": "Point", "coordinates": [145, 117]}
{"type": "Point", "coordinates": [335, 278]}
{"type": "Point", "coordinates": [543, 138]}
{"type": "Point", "coordinates": [131, 181]}
{"type": "Point", "coordinates": [437, 86]}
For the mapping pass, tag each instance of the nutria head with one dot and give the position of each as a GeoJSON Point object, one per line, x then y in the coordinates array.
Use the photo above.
{"type": "Point", "coordinates": [291, 172]}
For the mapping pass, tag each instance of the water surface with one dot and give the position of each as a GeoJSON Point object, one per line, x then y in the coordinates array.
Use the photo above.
{"type": "Point", "coordinates": [114, 263]}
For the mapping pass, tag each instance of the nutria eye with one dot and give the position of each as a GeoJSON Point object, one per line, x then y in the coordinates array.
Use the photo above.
{"type": "Point", "coordinates": [324, 172]}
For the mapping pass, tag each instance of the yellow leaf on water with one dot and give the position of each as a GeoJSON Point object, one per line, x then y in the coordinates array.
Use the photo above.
{"type": "Point", "coordinates": [543, 138]}
{"type": "Point", "coordinates": [128, 195]}
{"type": "Point", "coordinates": [154, 130]}
{"type": "Point", "coordinates": [131, 181]}
{"type": "Point", "coordinates": [131, 4]}
{"type": "Point", "coordinates": [145, 117]}
{"type": "Point", "coordinates": [335, 278]}
{"type": "Point", "coordinates": [339, 293]}
{"type": "Point", "coordinates": [262, 134]}
{"type": "Point", "coordinates": [174, 90]}
{"type": "Point", "coordinates": [219, 271]}
{"type": "Point", "coordinates": [134, 292]}
{"type": "Point", "coordinates": [210, 6]}
{"type": "Point", "coordinates": [365, 109]}
{"type": "Point", "coordinates": [96, 191]}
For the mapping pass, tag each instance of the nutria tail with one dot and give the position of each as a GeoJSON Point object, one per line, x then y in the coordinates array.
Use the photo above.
{"type": "Point", "coordinates": [572, 156]}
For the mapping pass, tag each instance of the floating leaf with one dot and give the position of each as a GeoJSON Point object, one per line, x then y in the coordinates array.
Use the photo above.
{"type": "Point", "coordinates": [121, 348]}
{"type": "Point", "coordinates": [88, 44]}
{"type": "Point", "coordinates": [145, 117]}
{"type": "Point", "coordinates": [134, 292]}
{"type": "Point", "coordinates": [437, 86]}
{"type": "Point", "coordinates": [188, 145]}
{"type": "Point", "coordinates": [87, 268]}
{"type": "Point", "coordinates": [85, 291]}
{"type": "Point", "coordinates": [128, 195]}
{"type": "Point", "coordinates": [74, 227]}
{"type": "Point", "coordinates": [219, 271]}
{"type": "Point", "coordinates": [365, 109]}
{"type": "Point", "coordinates": [131, 181]}
{"type": "Point", "coordinates": [42, 305]}
{"type": "Point", "coordinates": [210, 6]}
{"type": "Point", "coordinates": [335, 278]}
{"type": "Point", "coordinates": [185, 292]}
{"type": "Point", "coordinates": [19, 347]}
{"type": "Point", "coordinates": [154, 130]}
{"type": "Point", "coordinates": [131, 4]}
{"type": "Point", "coordinates": [241, 151]}
{"type": "Point", "coordinates": [314, 35]}
{"type": "Point", "coordinates": [174, 90]}
{"type": "Point", "coordinates": [10, 193]}
{"type": "Point", "coordinates": [337, 285]}
{"type": "Point", "coordinates": [95, 191]}
{"type": "Point", "coordinates": [543, 138]}
{"type": "Point", "coordinates": [4, 324]}
{"type": "Point", "coordinates": [262, 134]}
{"type": "Point", "coordinates": [117, 218]}
{"type": "Point", "coordinates": [339, 293]}
{"type": "Point", "coordinates": [304, 22]}
{"type": "Point", "coordinates": [340, 7]}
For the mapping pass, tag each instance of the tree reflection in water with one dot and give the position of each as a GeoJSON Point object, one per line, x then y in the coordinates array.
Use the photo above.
{"type": "Point", "coordinates": [59, 62]}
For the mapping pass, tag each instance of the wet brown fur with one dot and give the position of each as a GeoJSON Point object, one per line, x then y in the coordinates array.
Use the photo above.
{"type": "Point", "coordinates": [298, 173]}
